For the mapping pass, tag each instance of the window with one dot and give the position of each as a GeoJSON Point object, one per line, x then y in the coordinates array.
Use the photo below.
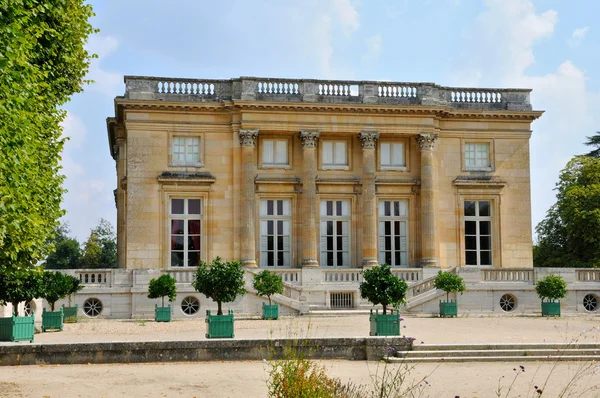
{"type": "Point", "coordinates": [478, 232]}
{"type": "Point", "coordinates": [477, 156]}
{"type": "Point", "coordinates": [335, 233]}
{"type": "Point", "coordinates": [186, 232]}
{"type": "Point", "coordinates": [275, 153]}
{"type": "Point", "coordinates": [391, 155]}
{"type": "Point", "coordinates": [335, 155]}
{"type": "Point", "coordinates": [186, 150]}
{"type": "Point", "coordinates": [393, 227]}
{"type": "Point", "coordinates": [275, 231]}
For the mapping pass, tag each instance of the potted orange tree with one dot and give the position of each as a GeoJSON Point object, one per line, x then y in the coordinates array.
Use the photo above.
{"type": "Point", "coordinates": [551, 288]}
{"type": "Point", "coordinates": [70, 312]}
{"type": "Point", "coordinates": [56, 285]}
{"type": "Point", "coordinates": [221, 281]}
{"type": "Point", "coordinates": [449, 283]}
{"type": "Point", "coordinates": [161, 287]}
{"type": "Point", "coordinates": [380, 286]}
{"type": "Point", "coordinates": [17, 286]}
{"type": "Point", "coordinates": [268, 283]}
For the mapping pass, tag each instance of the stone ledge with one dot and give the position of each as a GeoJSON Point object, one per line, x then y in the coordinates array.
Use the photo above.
{"type": "Point", "coordinates": [360, 348]}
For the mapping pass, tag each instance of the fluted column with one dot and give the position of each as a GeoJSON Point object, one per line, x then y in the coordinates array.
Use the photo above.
{"type": "Point", "coordinates": [310, 253]}
{"type": "Point", "coordinates": [248, 246]}
{"type": "Point", "coordinates": [368, 140]}
{"type": "Point", "coordinates": [429, 239]}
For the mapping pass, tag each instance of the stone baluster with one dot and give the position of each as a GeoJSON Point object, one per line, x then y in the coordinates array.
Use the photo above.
{"type": "Point", "coordinates": [309, 141]}
{"type": "Point", "coordinates": [248, 246]}
{"type": "Point", "coordinates": [429, 238]}
{"type": "Point", "coordinates": [368, 140]}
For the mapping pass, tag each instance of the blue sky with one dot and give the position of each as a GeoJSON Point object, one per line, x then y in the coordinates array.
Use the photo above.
{"type": "Point", "coordinates": [551, 46]}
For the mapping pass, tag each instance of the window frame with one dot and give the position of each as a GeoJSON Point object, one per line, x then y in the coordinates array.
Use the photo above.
{"type": "Point", "coordinates": [262, 139]}
{"type": "Point", "coordinates": [275, 218]}
{"type": "Point", "coordinates": [185, 135]}
{"type": "Point", "coordinates": [393, 218]}
{"type": "Point", "coordinates": [495, 206]}
{"type": "Point", "coordinates": [343, 218]}
{"type": "Point", "coordinates": [491, 160]}
{"type": "Point", "coordinates": [405, 153]}
{"type": "Point", "coordinates": [348, 143]}
{"type": "Point", "coordinates": [185, 216]}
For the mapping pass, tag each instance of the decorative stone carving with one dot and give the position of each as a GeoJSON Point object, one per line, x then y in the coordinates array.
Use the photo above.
{"type": "Point", "coordinates": [426, 141]}
{"type": "Point", "coordinates": [248, 137]}
{"type": "Point", "coordinates": [309, 139]}
{"type": "Point", "coordinates": [368, 139]}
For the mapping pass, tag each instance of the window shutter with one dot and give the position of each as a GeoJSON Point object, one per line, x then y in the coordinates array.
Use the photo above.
{"type": "Point", "coordinates": [384, 154]}
{"type": "Point", "coordinates": [263, 207]}
{"type": "Point", "coordinates": [323, 208]}
{"type": "Point", "coordinates": [267, 152]}
{"type": "Point", "coordinates": [327, 152]}
{"type": "Point", "coordinates": [323, 235]}
{"type": "Point", "coordinates": [263, 235]}
{"type": "Point", "coordinates": [281, 153]}
{"type": "Point", "coordinates": [345, 208]}
{"type": "Point", "coordinates": [287, 207]}
{"type": "Point", "coordinates": [340, 153]}
{"type": "Point", "coordinates": [403, 241]}
{"type": "Point", "coordinates": [398, 154]}
{"type": "Point", "coordinates": [403, 208]}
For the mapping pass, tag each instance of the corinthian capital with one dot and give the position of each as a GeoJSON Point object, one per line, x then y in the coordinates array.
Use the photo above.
{"type": "Point", "coordinates": [368, 139]}
{"type": "Point", "coordinates": [426, 141]}
{"type": "Point", "coordinates": [248, 137]}
{"type": "Point", "coordinates": [309, 138]}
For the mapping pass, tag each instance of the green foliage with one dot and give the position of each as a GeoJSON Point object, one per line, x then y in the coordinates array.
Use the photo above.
{"type": "Point", "coordinates": [100, 250]}
{"type": "Point", "coordinates": [43, 62]}
{"type": "Point", "coordinates": [380, 286]}
{"type": "Point", "coordinates": [551, 287]}
{"type": "Point", "coordinates": [569, 236]}
{"type": "Point", "coordinates": [221, 281]}
{"type": "Point", "coordinates": [66, 253]}
{"type": "Point", "coordinates": [162, 286]}
{"type": "Point", "coordinates": [449, 283]}
{"type": "Point", "coordinates": [594, 141]}
{"type": "Point", "coordinates": [21, 284]}
{"type": "Point", "coordinates": [267, 283]}
{"type": "Point", "coordinates": [56, 285]}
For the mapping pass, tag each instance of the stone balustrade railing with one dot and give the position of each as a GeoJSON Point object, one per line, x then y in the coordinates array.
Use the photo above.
{"type": "Point", "coordinates": [342, 276]}
{"type": "Point", "coordinates": [292, 276]}
{"type": "Point", "coordinates": [408, 274]}
{"type": "Point", "coordinates": [508, 275]}
{"type": "Point", "coordinates": [324, 91]}
{"type": "Point", "coordinates": [588, 275]}
{"type": "Point", "coordinates": [94, 277]}
{"type": "Point", "coordinates": [182, 275]}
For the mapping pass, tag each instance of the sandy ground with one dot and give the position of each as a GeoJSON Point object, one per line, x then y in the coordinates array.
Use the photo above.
{"type": "Point", "coordinates": [424, 329]}
{"type": "Point", "coordinates": [248, 379]}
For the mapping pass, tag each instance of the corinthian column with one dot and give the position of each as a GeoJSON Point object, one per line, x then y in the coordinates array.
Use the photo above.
{"type": "Point", "coordinates": [248, 246]}
{"type": "Point", "coordinates": [309, 199]}
{"type": "Point", "coordinates": [429, 239]}
{"type": "Point", "coordinates": [368, 141]}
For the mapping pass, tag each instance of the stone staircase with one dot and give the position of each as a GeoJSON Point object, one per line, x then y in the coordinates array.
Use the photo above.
{"type": "Point", "coordinates": [510, 352]}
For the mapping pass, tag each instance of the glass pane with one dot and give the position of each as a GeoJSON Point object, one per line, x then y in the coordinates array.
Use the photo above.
{"type": "Point", "coordinates": [388, 258]}
{"type": "Point", "coordinates": [270, 229]}
{"type": "Point", "coordinates": [485, 257]}
{"type": "Point", "coordinates": [280, 227]}
{"type": "Point", "coordinates": [330, 208]}
{"type": "Point", "coordinates": [469, 208]}
{"type": "Point", "coordinates": [270, 258]}
{"type": "Point", "coordinates": [194, 227]}
{"type": "Point", "coordinates": [176, 259]}
{"type": "Point", "coordinates": [386, 209]}
{"type": "Point", "coordinates": [329, 258]}
{"type": "Point", "coordinates": [388, 243]}
{"type": "Point", "coordinates": [340, 259]}
{"type": "Point", "coordinates": [177, 206]}
{"type": "Point", "coordinates": [485, 227]}
{"type": "Point", "coordinates": [193, 206]}
{"type": "Point", "coordinates": [280, 242]}
{"type": "Point", "coordinates": [485, 243]}
{"type": "Point", "coordinates": [484, 209]}
{"type": "Point", "coordinates": [270, 243]}
{"type": "Point", "coordinates": [338, 208]}
{"type": "Point", "coordinates": [388, 228]}
{"type": "Point", "coordinates": [177, 227]}
{"type": "Point", "coordinates": [177, 242]}
{"type": "Point", "coordinates": [471, 242]}
{"type": "Point", "coordinates": [397, 258]}
{"type": "Point", "coordinates": [329, 227]}
{"type": "Point", "coordinates": [270, 207]}
{"type": "Point", "coordinates": [339, 243]}
{"type": "Point", "coordinates": [471, 258]}
{"type": "Point", "coordinates": [193, 243]}
{"type": "Point", "coordinates": [280, 207]}
{"type": "Point", "coordinates": [330, 243]}
{"type": "Point", "coordinates": [397, 209]}
{"type": "Point", "coordinates": [193, 259]}
{"type": "Point", "coordinates": [280, 258]}
{"type": "Point", "coordinates": [470, 227]}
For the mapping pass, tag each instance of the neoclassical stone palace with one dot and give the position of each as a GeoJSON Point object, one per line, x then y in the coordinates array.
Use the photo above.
{"type": "Point", "coordinates": [316, 180]}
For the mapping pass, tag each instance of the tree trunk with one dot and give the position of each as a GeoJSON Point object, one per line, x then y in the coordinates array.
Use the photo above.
{"type": "Point", "coordinates": [384, 308]}
{"type": "Point", "coordinates": [447, 297]}
{"type": "Point", "coordinates": [15, 305]}
{"type": "Point", "coordinates": [269, 297]}
{"type": "Point", "coordinates": [52, 307]}
{"type": "Point", "coordinates": [219, 310]}
{"type": "Point", "coordinates": [163, 301]}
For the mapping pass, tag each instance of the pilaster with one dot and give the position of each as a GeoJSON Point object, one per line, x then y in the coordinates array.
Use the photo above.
{"type": "Point", "coordinates": [429, 237]}
{"type": "Point", "coordinates": [368, 140]}
{"type": "Point", "coordinates": [309, 141]}
{"type": "Point", "coordinates": [248, 240]}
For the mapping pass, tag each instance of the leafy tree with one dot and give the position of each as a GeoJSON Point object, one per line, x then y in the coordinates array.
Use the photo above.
{"type": "Point", "coordinates": [380, 286]}
{"type": "Point", "coordinates": [449, 283]}
{"type": "Point", "coordinates": [20, 284]}
{"type": "Point", "coordinates": [43, 62]}
{"type": "Point", "coordinates": [66, 253]}
{"type": "Point", "coordinates": [100, 250]}
{"type": "Point", "coordinates": [56, 286]}
{"type": "Point", "coordinates": [162, 286]}
{"type": "Point", "coordinates": [594, 141]}
{"type": "Point", "coordinates": [92, 251]}
{"type": "Point", "coordinates": [267, 283]}
{"type": "Point", "coordinates": [221, 281]}
{"type": "Point", "coordinates": [75, 286]}
{"type": "Point", "coordinates": [551, 287]}
{"type": "Point", "coordinates": [569, 236]}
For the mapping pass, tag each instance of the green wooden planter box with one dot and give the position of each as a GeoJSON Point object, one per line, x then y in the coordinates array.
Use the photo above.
{"type": "Point", "coordinates": [385, 325]}
{"type": "Point", "coordinates": [52, 320]}
{"type": "Point", "coordinates": [162, 314]}
{"type": "Point", "coordinates": [550, 308]}
{"type": "Point", "coordinates": [270, 311]}
{"type": "Point", "coordinates": [219, 326]}
{"type": "Point", "coordinates": [17, 328]}
{"type": "Point", "coordinates": [70, 314]}
{"type": "Point", "coordinates": [448, 308]}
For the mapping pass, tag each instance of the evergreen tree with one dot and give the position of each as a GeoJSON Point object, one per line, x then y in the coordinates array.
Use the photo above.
{"type": "Point", "coordinates": [594, 141]}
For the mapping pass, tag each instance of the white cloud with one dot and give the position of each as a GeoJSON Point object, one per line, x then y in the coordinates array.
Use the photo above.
{"type": "Point", "coordinates": [347, 15]}
{"type": "Point", "coordinates": [374, 45]}
{"type": "Point", "coordinates": [577, 37]}
{"type": "Point", "coordinates": [323, 48]}
{"type": "Point", "coordinates": [109, 83]}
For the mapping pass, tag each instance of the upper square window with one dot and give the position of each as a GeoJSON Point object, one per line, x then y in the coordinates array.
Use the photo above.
{"type": "Point", "coordinates": [391, 155]}
{"type": "Point", "coordinates": [477, 156]}
{"type": "Point", "coordinates": [335, 154]}
{"type": "Point", "coordinates": [275, 153]}
{"type": "Point", "coordinates": [186, 150]}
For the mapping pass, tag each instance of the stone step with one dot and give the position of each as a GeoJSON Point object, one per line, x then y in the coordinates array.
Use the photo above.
{"type": "Point", "coordinates": [499, 353]}
{"type": "Point", "coordinates": [516, 359]}
{"type": "Point", "coordinates": [504, 346]}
